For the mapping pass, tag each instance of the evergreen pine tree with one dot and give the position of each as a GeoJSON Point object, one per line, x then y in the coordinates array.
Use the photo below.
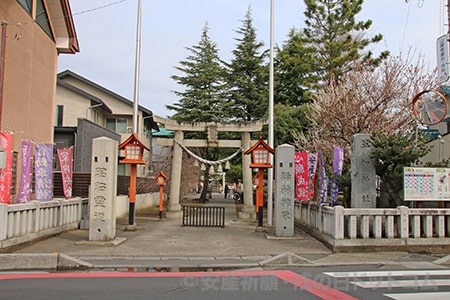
{"type": "Point", "coordinates": [203, 79]}
{"type": "Point", "coordinates": [335, 40]}
{"type": "Point", "coordinates": [202, 99]}
{"type": "Point", "coordinates": [248, 75]}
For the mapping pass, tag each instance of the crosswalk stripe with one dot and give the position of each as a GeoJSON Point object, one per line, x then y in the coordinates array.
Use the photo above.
{"type": "Point", "coordinates": [388, 273]}
{"type": "Point", "coordinates": [419, 296]}
{"type": "Point", "coordinates": [402, 283]}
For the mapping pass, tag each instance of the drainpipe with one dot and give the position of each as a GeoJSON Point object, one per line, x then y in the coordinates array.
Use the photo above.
{"type": "Point", "coordinates": [90, 107]}
{"type": "Point", "coordinates": [4, 25]}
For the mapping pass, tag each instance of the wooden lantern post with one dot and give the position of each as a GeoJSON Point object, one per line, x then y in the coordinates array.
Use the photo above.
{"type": "Point", "coordinates": [260, 160]}
{"type": "Point", "coordinates": [134, 150]}
{"type": "Point", "coordinates": [161, 181]}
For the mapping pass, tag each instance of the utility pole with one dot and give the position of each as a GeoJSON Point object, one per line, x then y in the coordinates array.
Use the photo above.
{"type": "Point", "coordinates": [448, 20]}
{"type": "Point", "coordinates": [137, 67]}
{"type": "Point", "coordinates": [4, 26]}
{"type": "Point", "coordinates": [271, 125]}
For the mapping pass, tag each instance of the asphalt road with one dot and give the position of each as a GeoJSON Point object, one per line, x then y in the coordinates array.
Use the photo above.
{"type": "Point", "coordinates": [111, 286]}
{"type": "Point", "coordinates": [343, 282]}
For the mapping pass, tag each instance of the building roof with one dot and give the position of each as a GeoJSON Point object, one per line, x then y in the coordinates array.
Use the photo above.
{"type": "Point", "coordinates": [85, 94]}
{"type": "Point", "coordinates": [162, 132]}
{"type": "Point", "coordinates": [61, 20]}
{"type": "Point", "coordinates": [133, 139]}
{"type": "Point", "coordinates": [147, 114]}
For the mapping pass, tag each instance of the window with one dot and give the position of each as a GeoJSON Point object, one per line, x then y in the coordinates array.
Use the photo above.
{"type": "Point", "coordinates": [59, 115]}
{"type": "Point", "coordinates": [121, 169]}
{"type": "Point", "coordinates": [118, 125]}
{"type": "Point", "coordinates": [132, 152]}
{"type": "Point", "coordinates": [42, 18]}
{"type": "Point", "coordinates": [96, 117]}
{"type": "Point", "coordinates": [26, 4]}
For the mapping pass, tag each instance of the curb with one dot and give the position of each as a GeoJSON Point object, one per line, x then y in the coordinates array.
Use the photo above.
{"type": "Point", "coordinates": [41, 261]}
{"type": "Point", "coordinates": [59, 261]}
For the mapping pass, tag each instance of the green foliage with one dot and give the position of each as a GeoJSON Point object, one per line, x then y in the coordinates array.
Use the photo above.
{"type": "Point", "coordinates": [292, 69]}
{"type": "Point", "coordinates": [235, 173]}
{"type": "Point", "coordinates": [334, 40]}
{"type": "Point", "coordinates": [288, 120]}
{"type": "Point", "coordinates": [445, 163]}
{"type": "Point", "coordinates": [247, 75]}
{"type": "Point", "coordinates": [203, 79]}
{"type": "Point", "coordinates": [392, 152]}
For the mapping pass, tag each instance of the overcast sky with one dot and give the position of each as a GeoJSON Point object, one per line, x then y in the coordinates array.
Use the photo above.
{"type": "Point", "coordinates": [106, 31]}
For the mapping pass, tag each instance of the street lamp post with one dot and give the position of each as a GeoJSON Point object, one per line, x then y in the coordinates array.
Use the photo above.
{"type": "Point", "coordinates": [134, 150]}
{"type": "Point", "coordinates": [161, 181]}
{"type": "Point", "coordinates": [261, 160]}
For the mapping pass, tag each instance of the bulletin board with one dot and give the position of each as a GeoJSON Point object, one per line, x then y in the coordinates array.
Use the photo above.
{"type": "Point", "coordinates": [426, 184]}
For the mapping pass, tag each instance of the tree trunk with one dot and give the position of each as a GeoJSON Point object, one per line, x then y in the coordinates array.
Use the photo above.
{"type": "Point", "coordinates": [391, 192]}
{"type": "Point", "coordinates": [203, 196]}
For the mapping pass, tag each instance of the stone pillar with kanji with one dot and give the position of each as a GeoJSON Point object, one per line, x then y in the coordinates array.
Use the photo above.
{"type": "Point", "coordinates": [102, 201]}
{"type": "Point", "coordinates": [284, 191]}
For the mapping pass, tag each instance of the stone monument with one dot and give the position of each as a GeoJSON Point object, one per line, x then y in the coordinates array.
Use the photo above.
{"type": "Point", "coordinates": [102, 201]}
{"type": "Point", "coordinates": [284, 191]}
{"type": "Point", "coordinates": [363, 174]}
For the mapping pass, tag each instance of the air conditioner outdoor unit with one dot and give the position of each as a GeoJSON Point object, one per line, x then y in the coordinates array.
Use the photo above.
{"type": "Point", "coordinates": [129, 129]}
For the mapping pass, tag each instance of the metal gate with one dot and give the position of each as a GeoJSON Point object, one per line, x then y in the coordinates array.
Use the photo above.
{"type": "Point", "coordinates": [203, 216]}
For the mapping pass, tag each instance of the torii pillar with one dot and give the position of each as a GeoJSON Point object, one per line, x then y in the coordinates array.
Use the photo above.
{"type": "Point", "coordinates": [173, 206]}
{"type": "Point", "coordinates": [248, 211]}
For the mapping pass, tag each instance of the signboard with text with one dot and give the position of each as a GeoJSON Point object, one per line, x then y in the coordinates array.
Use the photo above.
{"type": "Point", "coordinates": [426, 184]}
{"type": "Point", "coordinates": [442, 58]}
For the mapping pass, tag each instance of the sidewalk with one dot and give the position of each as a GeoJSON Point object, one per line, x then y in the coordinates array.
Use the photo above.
{"type": "Point", "coordinates": [166, 244]}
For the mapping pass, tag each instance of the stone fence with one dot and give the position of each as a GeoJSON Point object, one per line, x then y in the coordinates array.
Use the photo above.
{"type": "Point", "coordinates": [24, 223]}
{"type": "Point", "coordinates": [399, 229]}
{"type": "Point", "coordinates": [21, 223]}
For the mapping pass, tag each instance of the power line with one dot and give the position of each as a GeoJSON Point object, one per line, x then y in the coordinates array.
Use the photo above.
{"type": "Point", "coordinates": [76, 14]}
{"type": "Point", "coordinates": [98, 8]}
{"type": "Point", "coordinates": [406, 25]}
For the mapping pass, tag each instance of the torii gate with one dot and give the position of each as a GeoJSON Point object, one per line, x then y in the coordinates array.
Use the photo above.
{"type": "Point", "coordinates": [212, 128]}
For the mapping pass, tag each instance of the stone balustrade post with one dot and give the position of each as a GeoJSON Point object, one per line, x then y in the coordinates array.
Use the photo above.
{"type": "Point", "coordinates": [338, 231]}
{"type": "Point", "coordinates": [404, 222]}
{"type": "Point", "coordinates": [3, 221]}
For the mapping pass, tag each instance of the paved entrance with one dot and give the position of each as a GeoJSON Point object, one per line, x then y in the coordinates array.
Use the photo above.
{"type": "Point", "coordinates": [167, 238]}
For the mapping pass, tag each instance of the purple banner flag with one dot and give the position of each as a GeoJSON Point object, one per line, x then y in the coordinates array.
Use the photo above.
{"type": "Point", "coordinates": [323, 183]}
{"type": "Point", "coordinates": [312, 166]}
{"type": "Point", "coordinates": [25, 184]}
{"type": "Point", "coordinates": [43, 169]}
{"type": "Point", "coordinates": [338, 163]}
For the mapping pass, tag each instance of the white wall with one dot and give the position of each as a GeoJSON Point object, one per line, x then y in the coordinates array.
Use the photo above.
{"type": "Point", "coordinates": [142, 201]}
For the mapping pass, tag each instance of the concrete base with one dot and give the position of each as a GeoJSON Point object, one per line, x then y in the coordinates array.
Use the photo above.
{"type": "Point", "coordinates": [172, 214]}
{"type": "Point", "coordinates": [260, 229]}
{"type": "Point", "coordinates": [110, 243]}
{"type": "Point", "coordinates": [130, 228]}
{"type": "Point", "coordinates": [247, 212]}
{"type": "Point", "coordinates": [274, 237]}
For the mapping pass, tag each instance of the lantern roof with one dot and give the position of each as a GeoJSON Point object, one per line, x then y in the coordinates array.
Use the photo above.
{"type": "Point", "coordinates": [133, 139]}
{"type": "Point", "coordinates": [260, 143]}
{"type": "Point", "coordinates": [162, 174]}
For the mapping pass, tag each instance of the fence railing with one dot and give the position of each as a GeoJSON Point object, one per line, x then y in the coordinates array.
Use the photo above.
{"type": "Point", "coordinates": [203, 216]}
{"type": "Point", "coordinates": [20, 223]}
{"type": "Point", "coordinates": [401, 226]}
